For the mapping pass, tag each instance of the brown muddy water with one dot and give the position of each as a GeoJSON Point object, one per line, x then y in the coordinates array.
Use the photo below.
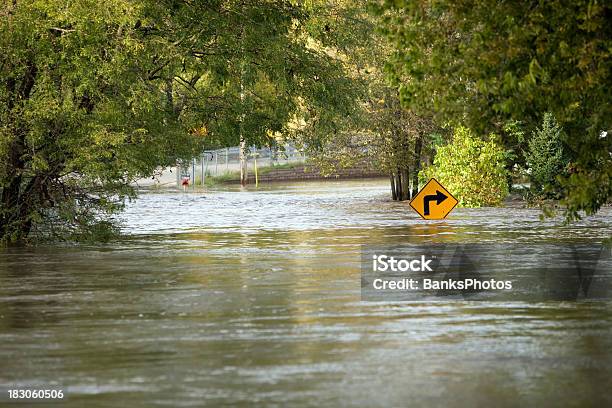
{"type": "Point", "coordinates": [230, 298]}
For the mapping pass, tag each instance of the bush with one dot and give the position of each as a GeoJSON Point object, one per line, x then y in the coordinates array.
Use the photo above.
{"type": "Point", "coordinates": [473, 170]}
{"type": "Point", "coordinates": [546, 158]}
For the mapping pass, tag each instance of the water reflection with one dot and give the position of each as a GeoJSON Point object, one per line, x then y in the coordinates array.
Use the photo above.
{"type": "Point", "coordinates": [231, 298]}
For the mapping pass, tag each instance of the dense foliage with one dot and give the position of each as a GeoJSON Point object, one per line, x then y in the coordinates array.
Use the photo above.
{"type": "Point", "coordinates": [472, 169]}
{"type": "Point", "coordinates": [79, 116]}
{"type": "Point", "coordinates": [489, 63]}
{"type": "Point", "coordinates": [97, 94]}
{"type": "Point", "coordinates": [94, 95]}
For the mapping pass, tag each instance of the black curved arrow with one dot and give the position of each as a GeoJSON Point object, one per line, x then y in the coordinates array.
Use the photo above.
{"type": "Point", "coordinates": [438, 198]}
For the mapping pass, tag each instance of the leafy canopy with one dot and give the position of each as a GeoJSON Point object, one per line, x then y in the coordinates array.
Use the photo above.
{"type": "Point", "coordinates": [95, 95]}
{"type": "Point", "coordinates": [488, 63]}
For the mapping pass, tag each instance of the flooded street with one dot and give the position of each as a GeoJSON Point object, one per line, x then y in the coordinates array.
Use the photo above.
{"type": "Point", "coordinates": [225, 298]}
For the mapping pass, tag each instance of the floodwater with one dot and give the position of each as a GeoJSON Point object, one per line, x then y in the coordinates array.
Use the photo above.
{"type": "Point", "coordinates": [230, 298]}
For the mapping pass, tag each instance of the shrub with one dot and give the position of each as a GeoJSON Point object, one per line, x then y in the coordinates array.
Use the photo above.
{"type": "Point", "coordinates": [473, 170]}
{"type": "Point", "coordinates": [546, 158]}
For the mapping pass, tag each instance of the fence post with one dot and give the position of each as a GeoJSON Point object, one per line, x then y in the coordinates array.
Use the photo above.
{"type": "Point", "coordinates": [202, 169]}
{"type": "Point", "coordinates": [193, 164]}
{"type": "Point", "coordinates": [255, 162]}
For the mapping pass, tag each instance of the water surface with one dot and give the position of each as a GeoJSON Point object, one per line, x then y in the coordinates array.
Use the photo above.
{"type": "Point", "coordinates": [225, 298]}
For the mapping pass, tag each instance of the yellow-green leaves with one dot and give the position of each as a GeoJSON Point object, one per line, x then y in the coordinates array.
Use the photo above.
{"type": "Point", "coordinates": [472, 169]}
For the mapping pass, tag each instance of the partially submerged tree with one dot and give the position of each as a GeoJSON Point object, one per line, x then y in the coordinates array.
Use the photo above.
{"type": "Point", "coordinates": [381, 133]}
{"type": "Point", "coordinates": [97, 94]}
{"type": "Point", "coordinates": [401, 142]}
{"type": "Point", "coordinates": [488, 63]}
{"type": "Point", "coordinates": [81, 114]}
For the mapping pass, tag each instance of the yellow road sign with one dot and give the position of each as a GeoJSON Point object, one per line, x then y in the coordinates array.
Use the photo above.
{"type": "Point", "coordinates": [433, 202]}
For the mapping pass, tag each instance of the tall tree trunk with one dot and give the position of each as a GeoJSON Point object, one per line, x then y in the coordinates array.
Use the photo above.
{"type": "Point", "coordinates": [398, 185]}
{"type": "Point", "coordinates": [418, 146]}
{"type": "Point", "coordinates": [405, 184]}
{"type": "Point", "coordinates": [243, 147]}
{"type": "Point", "coordinates": [393, 190]}
{"type": "Point", "coordinates": [243, 162]}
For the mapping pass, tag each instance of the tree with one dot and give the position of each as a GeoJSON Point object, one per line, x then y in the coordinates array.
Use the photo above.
{"type": "Point", "coordinates": [546, 157]}
{"type": "Point", "coordinates": [95, 95]}
{"type": "Point", "coordinates": [261, 66]}
{"type": "Point", "coordinates": [400, 142]}
{"type": "Point", "coordinates": [80, 115]}
{"type": "Point", "coordinates": [381, 133]}
{"type": "Point", "coordinates": [472, 169]}
{"type": "Point", "coordinates": [489, 63]}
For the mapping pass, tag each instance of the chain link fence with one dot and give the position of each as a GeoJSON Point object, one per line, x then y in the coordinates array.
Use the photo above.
{"type": "Point", "coordinates": [227, 161]}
